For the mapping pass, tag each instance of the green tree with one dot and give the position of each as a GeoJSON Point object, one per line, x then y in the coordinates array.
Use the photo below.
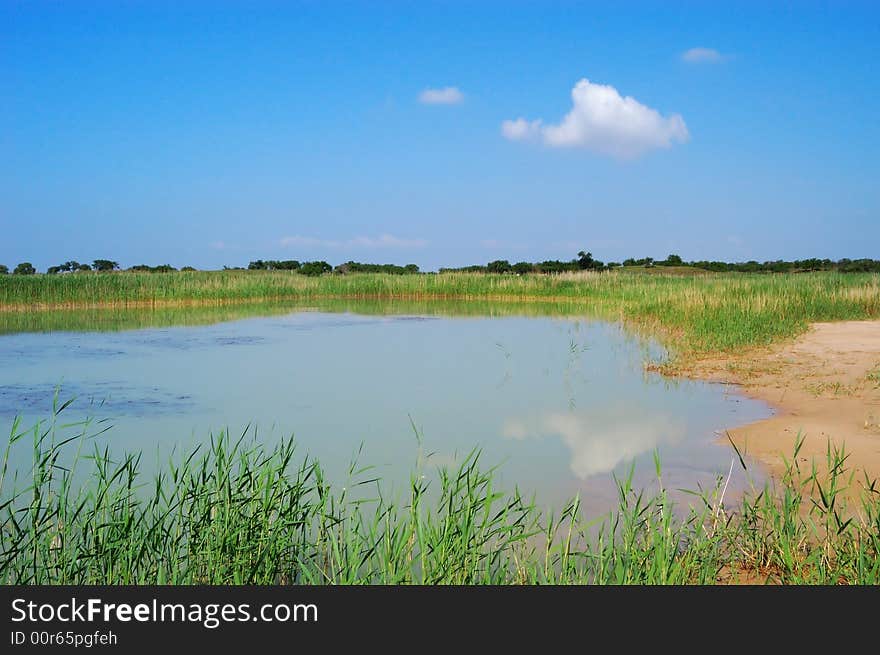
{"type": "Point", "coordinates": [4, 270]}
{"type": "Point", "coordinates": [104, 265]}
{"type": "Point", "coordinates": [521, 268]}
{"type": "Point", "coordinates": [287, 265]}
{"type": "Point", "coordinates": [556, 266]}
{"type": "Point", "coordinates": [25, 268]}
{"type": "Point", "coordinates": [314, 269]}
{"type": "Point", "coordinates": [499, 266]}
{"type": "Point", "coordinates": [673, 260]}
{"type": "Point", "coordinates": [392, 269]}
{"type": "Point", "coordinates": [68, 267]}
{"type": "Point", "coordinates": [585, 260]}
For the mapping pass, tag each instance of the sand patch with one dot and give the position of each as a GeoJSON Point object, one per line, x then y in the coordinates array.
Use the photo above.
{"type": "Point", "coordinates": [825, 386]}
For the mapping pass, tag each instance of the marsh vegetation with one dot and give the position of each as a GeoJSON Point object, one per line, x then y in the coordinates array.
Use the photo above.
{"type": "Point", "coordinates": [239, 512]}
{"type": "Point", "coordinates": [693, 314]}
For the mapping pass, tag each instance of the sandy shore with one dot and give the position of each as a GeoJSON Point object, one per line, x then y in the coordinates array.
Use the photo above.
{"type": "Point", "coordinates": [824, 386]}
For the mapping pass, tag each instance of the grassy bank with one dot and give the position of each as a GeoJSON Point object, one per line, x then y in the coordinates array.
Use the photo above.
{"type": "Point", "coordinates": [695, 314]}
{"type": "Point", "coordinates": [238, 512]}
{"type": "Point", "coordinates": [116, 318]}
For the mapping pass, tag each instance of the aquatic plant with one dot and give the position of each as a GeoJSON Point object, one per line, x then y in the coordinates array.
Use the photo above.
{"type": "Point", "coordinates": [236, 511]}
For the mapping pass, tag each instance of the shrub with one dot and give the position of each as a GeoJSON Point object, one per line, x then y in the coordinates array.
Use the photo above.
{"type": "Point", "coordinates": [25, 268]}
{"type": "Point", "coordinates": [105, 265]}
{"type": "Point", "coordinates": [314, 269]}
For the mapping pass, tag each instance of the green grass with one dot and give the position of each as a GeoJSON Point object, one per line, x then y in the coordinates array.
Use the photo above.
{"type": "Point", "coordinates": [699, 314]}
{"type": "Point", "coordinates": [116, 318]}
{"type": "Point", "coordinates": [238, 512]}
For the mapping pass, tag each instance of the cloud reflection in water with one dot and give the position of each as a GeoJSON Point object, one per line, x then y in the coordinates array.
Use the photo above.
{"type": "Point", "coordinates": [599, 440]}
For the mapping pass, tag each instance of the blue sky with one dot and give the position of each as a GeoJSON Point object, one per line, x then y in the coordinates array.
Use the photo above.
{"type": "Point", "coordinates": [218, 133]}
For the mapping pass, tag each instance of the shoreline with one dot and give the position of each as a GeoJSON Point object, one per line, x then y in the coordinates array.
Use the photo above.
{"type": "Point", "coordinates": [823, 386]}
{"type": "Point", "coordinates": [162, 303]}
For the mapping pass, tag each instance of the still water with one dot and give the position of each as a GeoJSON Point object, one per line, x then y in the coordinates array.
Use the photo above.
{"type": "Point", "coordinates": [559, 403]}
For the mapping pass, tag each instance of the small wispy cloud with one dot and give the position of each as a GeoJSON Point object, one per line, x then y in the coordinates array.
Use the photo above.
{"type": "Point", "coordinates": [498, 244]}
{"type": "Point", "coordinates": [702, 56]}
{"type": "Point", "coordinates": [605, 122]}
{"type": "Point", "coordinates": [589, 243]}
{"type": "Point", "coordinates": [298, 240]}
{"type": "Point", "coordinates": [217, 245]}
{"type": "Point", "coordinates": [449, 95]}
{"type": "Point", "coordinates": [382, 241]}
{"type": "Point", "coordinates": [520, 129]}
{"type": "Point", "coordinates": [386, 241]}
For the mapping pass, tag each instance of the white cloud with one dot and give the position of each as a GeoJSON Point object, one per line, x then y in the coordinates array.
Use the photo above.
{"type": "Point", "coordinates": [298, 240]}
{"type": "Point", "coordinates": [603, 121]}
{"type": "Point", "coordinates": [217, 245]}
{"type": "Point", "coordinates": [387, 241]}
{"type": "Point", "coordinates": [701, 56]}
{"type": "Point", "coordinates": [521, 129]}
{"type": "Point", "coordinates": [382, 241]}
{"type": "Point", "coordinates": [498, 244]}
{"type": "Point", "coordinates": [590, 242]}
{"type": "Point", "coordinates": [449, 95]}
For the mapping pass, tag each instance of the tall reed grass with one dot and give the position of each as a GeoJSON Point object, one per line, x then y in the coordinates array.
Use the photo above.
{"type": "Point", "coordinates": [238, 512]}
{"type": "Point", "coordinates": [694, 314]}
{"type": "Point", "coordinates": [116, 318]}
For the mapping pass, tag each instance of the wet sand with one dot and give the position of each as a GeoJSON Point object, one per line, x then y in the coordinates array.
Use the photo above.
{"type": "Point", "coordinates": [823, 386]}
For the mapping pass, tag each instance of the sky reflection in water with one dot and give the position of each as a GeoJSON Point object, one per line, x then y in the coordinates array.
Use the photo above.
{"type": "Point", "coordinates": [558, 403]}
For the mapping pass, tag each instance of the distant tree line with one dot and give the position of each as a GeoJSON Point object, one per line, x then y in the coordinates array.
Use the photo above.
{"type": "Point", "coordinates": [585, 261]}
{"type": "Point", "coordinates": [68, 267]}
{"type": "Point", "coordinates": [321, 267]}
{"type": "Point", "coordinates": [99, 265]}
{"type": "Point", "coordinates": [274, 265]}
{"type": "Point", "coordinates": [776, 266]}
{"type": "Point", "coordinates": [312, 269]}
{"type": "Point", "coordinates": [73, 266]}
{"type": "Point", "coordinates": [393, 269]}
{"type": "Point", "coordinates": [162, 268]}
{"type": "Point", "coordinates": [798, 265]}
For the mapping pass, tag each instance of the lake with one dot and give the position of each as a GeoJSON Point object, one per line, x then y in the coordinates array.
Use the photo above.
{"type": "Point", "coordinates": [558, 402]}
